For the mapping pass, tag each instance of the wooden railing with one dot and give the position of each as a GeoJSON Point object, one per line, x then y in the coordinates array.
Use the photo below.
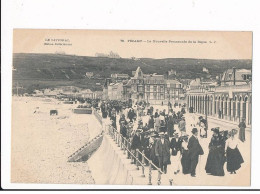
{"type": "Point", "coordinates": [135, 156]}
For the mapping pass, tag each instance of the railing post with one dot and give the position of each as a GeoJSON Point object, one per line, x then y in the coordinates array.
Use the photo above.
{"type": "Point", "coordinates": [150, 173]}
{"type": "Point", "coordinates": [143, 175]}
{"type": "Point", "coordinates": [131, 156]}
{"type": "Point", "coordinates": [136, 155]}
{"type": "Point", "coordinates": [118, 139]}
{"type": "Point", "coordinates": [159, 177]}
{"type": "Point", "coordinates": [124, 147]}
{"type": "Point", "coordinates": [115, 137]}
{"type": "Point", "coordinates": [129, 148]}
{"type": "Point", "coordinates": [143, 157]}
{"type": "Point", "coordinates": [122, 142]}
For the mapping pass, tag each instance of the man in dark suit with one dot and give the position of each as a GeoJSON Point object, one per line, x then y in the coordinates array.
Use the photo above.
{"type": "Point", "coordinates": [195, 150]}
{"type": "Point", "coordinates": [162, 151]}
{"type": "Point", "coordinates": [137, 141]}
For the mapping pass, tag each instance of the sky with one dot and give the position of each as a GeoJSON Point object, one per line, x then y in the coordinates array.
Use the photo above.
{"type": "Point", "coordinates": [139, 44]}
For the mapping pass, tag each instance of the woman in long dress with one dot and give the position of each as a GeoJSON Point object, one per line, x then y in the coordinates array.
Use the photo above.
{"type": "Point", "coordinates": [242, 128]}
{"type": "Point", "coordinates": [216, 156]}
{"type": "Point", "coordinates": [185, 160]}
{"type": "Point", "coordinates": [176, 153]}
{"type": "Point", "coordinates": [234, 157]}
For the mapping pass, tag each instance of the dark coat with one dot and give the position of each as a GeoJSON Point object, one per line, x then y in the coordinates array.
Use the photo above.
{"type": "Point", "coordinates": [153, 157]}
{"type": "Point", "coordinates": [162, 151]}
{"type": "Point", "coordinates": [170, 127]}
{"type": "Point", "coordinates": [137, 142]}
{"type": "Point", "coordinates": [175, 145]}
{"type": "Point", "coordinates": [151, 123]}
{"type": "Point", "coordinates": [194, 147]}
{"type": "Point", "coordinates": [123, 131]}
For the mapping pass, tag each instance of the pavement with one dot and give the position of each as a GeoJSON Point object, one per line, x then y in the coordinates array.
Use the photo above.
{"type": "Point", "coordinates": [242, 178]}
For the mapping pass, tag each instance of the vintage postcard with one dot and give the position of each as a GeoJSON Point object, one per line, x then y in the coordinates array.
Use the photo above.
{"type": "Point", "coordinates": [104, 107]}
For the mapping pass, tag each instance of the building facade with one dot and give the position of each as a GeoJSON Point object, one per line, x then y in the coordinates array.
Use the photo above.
{"type": "Point", "coordinates": [115, 91]}
{"type": "Point", "coordinates": [152, 88]}
{"type": "Point", "coordinates": [228, 102]}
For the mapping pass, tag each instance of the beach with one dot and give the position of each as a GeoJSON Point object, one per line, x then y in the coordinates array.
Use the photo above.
{"type": "Point", "coordinates": [42, 143]}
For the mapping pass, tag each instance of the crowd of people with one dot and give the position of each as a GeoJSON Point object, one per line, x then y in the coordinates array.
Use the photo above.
{"type": "Point", "coordinates": [164, 135]}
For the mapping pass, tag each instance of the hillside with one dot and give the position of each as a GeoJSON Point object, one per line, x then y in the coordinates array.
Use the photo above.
{"type": "Point", "coordinates": [50, 70]}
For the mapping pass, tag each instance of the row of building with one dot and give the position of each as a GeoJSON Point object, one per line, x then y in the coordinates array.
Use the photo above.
{"type": "Point", "coordinates": [228, 98]}
{"type": "Point", "coordinates": [150, 87]}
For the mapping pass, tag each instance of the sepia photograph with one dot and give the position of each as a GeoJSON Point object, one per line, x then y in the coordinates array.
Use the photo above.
{"type": "Point", "coordinates": [129, 107]}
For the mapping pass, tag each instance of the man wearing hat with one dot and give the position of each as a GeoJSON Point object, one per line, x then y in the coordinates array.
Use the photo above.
{"type": "Point", "coordinates": [123, 129]}
{"type": "Point", "coordinates": [195, 150]}
{"type": "Point", "coordinates": [153, 139]}
{"type": "Point", "coordinates": [162, 151]}
{"type": "Point", "coordinates": [137, 140]}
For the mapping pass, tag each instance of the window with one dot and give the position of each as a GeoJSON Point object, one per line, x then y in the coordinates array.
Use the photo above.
{"type": "Point", "coordinates": [140, 89]}
{"type": "Point", "coordinates": [246, 77]}
{"type": "Point", "coordinates": [148, 96]}
{"type": "Point", "coordinates": [154, 96]}
{"type": "Point", "coordinates": [162, 97]}
{"type": "Point", "coordinates": [154, 88]}
{"type": "Point", "coordinates": [161, 88]}
{"type": "Point", "coordinates": [148, 88]}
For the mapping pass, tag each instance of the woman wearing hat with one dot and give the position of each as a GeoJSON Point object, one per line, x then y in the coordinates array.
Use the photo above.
{"type": "Point", "coordinates": [216, 156]}
{"type": "Point", "coordinates": [175, 145]}
{"type": "Point", "coordinates": [242, 127]}
{"type": "Point", "coordinates": [182, 126]}
{"type": "Point", "coordinates": [234, 157]}
{"type": "Point", "coordinates": [185, 162]}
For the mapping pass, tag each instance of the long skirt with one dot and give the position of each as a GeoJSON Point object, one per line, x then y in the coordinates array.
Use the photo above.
{"type": "Point", "coordinates": [215, 162]}
{"type": "Point", "coordinates": [242, 134]}
{"type": "Point", "coordinates": [234, 159]}
{"type": "Point", "coordinates": [176, 161]}
{"type": "Point", "coordinates": [185, 162]}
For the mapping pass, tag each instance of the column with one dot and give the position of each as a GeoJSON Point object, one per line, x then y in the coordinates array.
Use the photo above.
{"type": "Point", "coordinates": [231, 110]}
{"type": "Point", "coordinates": [203, 105]}
{"type": "Point", "coordinates": [213, 106]}
{"type": "Point", "coordinates": [237, 111]}
{"type": "Point", "coordinates": [241, 110]}
{"type": "Point", "coordinates": [199, 104]}
{"type": "Point", "coordinates": [247, 113]}
{"type": "Point", "coordinates": [228, 112]}
{"type": "Point", "coordinates": [225, 108]}
{"type": "Point", "coordinates": [210, 105]}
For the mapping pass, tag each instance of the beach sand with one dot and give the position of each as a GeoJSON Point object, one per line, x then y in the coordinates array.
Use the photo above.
{"type": "Point", "coordinates": [42, 143]}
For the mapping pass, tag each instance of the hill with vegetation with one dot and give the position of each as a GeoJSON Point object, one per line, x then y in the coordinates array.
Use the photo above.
{"type": "Point", "coordinates": [37, 71]}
